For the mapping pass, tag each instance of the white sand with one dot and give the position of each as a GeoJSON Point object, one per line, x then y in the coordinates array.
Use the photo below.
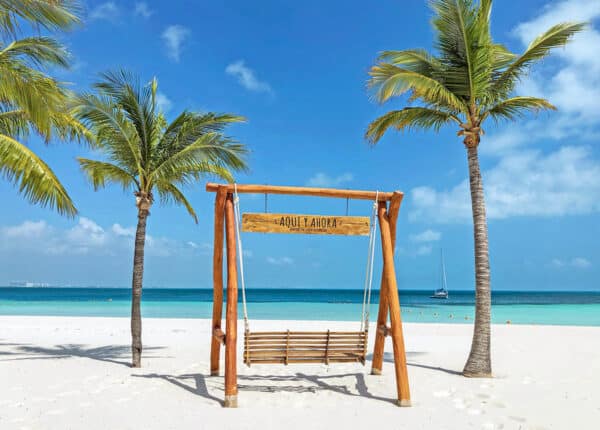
{"type": "Point", "coordinates": [73, 373]}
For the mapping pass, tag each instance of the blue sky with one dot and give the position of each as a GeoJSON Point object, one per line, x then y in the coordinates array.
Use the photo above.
{"type": "Point", "coordinates": [297, 71]}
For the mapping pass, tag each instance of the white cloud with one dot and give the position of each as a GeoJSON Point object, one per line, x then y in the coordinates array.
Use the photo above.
{"type": "Point", "coordinates": [247, 78]}
{"type": "Point", "coordinates": [280, 261]}
{"type": "Point", "coordinates": [529, 183]}
{"type": "Point", "coordinates": [505, 141]}
{"type": "Point", "coordinates": [426, 236]}
{"type": "Point", "coordinates": [26, 230]}
{"type": "Point", "coordinates": [581, 263]}
{"type": "Point", "coordinates": [424, 250]}
{"type": "Point", "coordinates": [142, 9]}
{"type": "Point", "coordinates": [86, 233]}
{"type": "Point", "coordinates": [576, 262]}
{"type": "Point", "coordinates": [174, 37]}
{"type": "Point", "coordinates": [108, 11]}
{"type": "Point", "coordinates": [123, 231]}
{"type": "Point", "coordinates": [557, 12]}
{"type": "Point", "coordinates": [573, 86]}
{"type": "Point", "coordinates": [557, 262]}
{"type": "Point", "coordinates": [324, 180]}
{"type": "Point", "coordinates": [163, 103]}
{"type": "Point", "coordinates": [89, 238]}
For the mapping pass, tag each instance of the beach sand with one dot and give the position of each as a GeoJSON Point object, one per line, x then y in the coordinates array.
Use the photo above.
{"type": "Point", "coordinates": [73, 373]}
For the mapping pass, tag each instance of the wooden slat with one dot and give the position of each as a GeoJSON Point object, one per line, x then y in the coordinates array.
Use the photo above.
{"type": "Point", "coordinates": [296, 354]}
{"type": "Point", "coordinates": [293, 351]}
{"type": "Point", "coordinates": [304, 343]}
{"type": "Point", "coordinates": [306, 336]}
{"type": "Point", "coordinates": [307, 361]}
{"type": "Point", "coordinates": [305, 339]}
{"type": "Point", "coordinates": [253, 333]}
{"type": "Point", "coordinates": [305, 347]}
{"type": "Point", "coordinates": [305, 224]}
{"type": "Point", "coordinates": [302, 191]}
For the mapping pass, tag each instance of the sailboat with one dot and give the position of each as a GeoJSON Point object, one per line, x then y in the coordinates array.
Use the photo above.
{"type": "Point", "coordinates": [441, 293]}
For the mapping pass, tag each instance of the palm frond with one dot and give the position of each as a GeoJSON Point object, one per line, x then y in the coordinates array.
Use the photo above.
{"type": "Point", "coordinates": [49, 14]}
{"type": "Point", "coordinates": [557, 36]}
{"type": "Point", "coordinates": [392, 81]}
{"type": "Point", "coordinates": [31, 91]}
{"type": "Point", "coordinates": [35, 180]}
{"type": "Point", "coordinates": [13, 122]}
{"type": "Point", "coordinates": [189, 127]}
{"type": "Point", "coordinates": [169, 193]}
{"type": "Point", "coordinates": [137, 102]}
{"type": "Point", "coordinates": [406, 119]}
{"type": "Point", "coordinates": [415, 60]}
{"type": "Point", "coordinates": [36, 51]}
{"type": "Point", "coordinates": [101, 173]}
{"type": "Point", "coordinates": [517, 107]}
{"type": "Point", "coordinates": [463, 40]}
{"type": "Point", "coordinates": [210, 147]}
{"type": "Point", "coordinates": [112, 131]}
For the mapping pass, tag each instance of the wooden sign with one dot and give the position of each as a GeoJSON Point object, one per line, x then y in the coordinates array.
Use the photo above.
{"type": "Point", "coordinates": [305, 224]}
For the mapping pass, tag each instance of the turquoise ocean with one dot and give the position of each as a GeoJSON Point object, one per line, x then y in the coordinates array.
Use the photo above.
{"type": "Point", "coordinates": [518, 307]}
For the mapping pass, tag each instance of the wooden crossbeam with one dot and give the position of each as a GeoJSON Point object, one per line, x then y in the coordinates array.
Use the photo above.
{"type": "Point", "coordinates": [302, 191]}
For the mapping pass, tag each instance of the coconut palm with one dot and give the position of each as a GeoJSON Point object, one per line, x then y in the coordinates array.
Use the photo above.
{"type": "Point", "coordinates": [469, 79]}
{"type": "Point", "coordinates": [32, 101]}
{"type": "Point", "coordinates": [151, 157]}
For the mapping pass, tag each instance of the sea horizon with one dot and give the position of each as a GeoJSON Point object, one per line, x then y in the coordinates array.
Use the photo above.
{"type": "Point", "coordinates": [552, 307]}
{"type": "Point", "coordinates": [357, 288]}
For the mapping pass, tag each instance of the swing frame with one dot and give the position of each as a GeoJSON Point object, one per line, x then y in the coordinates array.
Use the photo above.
{"type": "Point", "coordinates": [389, 303]}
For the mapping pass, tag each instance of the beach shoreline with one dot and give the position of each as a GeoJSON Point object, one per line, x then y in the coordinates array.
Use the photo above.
{"type": "Point", "coordinates": [73, 372]}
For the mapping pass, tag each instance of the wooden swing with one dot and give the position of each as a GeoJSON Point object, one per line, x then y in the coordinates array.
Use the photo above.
{"type": "Point", "coordinates": [303, 347]}
{"type": "Point", "coordinates": [289, 347]}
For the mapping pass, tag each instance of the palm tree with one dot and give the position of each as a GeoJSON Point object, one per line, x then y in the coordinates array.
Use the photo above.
{"type": "Point", "coordinates": [146, 154]}
{"type": "Point", "coordinates": [468, 80]}
{"type": "Point", "coordinates": [32, 101]}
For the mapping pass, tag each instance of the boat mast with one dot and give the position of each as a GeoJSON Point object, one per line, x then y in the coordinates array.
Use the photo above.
{"type": "Point", "coordinates": [443, 270]}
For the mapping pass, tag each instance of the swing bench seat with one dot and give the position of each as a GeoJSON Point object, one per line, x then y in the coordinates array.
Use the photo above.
{"type": "Point", "coordinates": [303, 347]}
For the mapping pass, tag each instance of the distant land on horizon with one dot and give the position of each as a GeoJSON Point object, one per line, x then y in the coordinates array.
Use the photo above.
{"type": "Point", "coordinates": [43, 285]}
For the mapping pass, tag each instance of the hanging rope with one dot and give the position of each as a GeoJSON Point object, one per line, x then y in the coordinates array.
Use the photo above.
{"type": "Point", "coordinates": [366, 307]}
{"type": "Point", "coordinates": [238, 237]}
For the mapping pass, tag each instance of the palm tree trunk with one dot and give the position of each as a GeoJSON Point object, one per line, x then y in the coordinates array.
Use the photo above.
{"type": "Point", "coordinates": [136, 289]}
{"type": "Point", "coordinates": [479, 362]}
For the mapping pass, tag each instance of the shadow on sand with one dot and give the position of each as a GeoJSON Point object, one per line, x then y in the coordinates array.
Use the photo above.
{"type": "Point", "coordinates": [388, 357]}
{"type": "Point", "coordinates": [311, 384]}
{"type": "Point", "coordinates": [196, 383]}
{"type": "Point", "coordinates": [116, 354]}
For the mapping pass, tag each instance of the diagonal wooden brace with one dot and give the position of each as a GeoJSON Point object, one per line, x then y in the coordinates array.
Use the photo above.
{"type": "Point", "coordinates": [389, 275]}
{"type": "Point", "coordinates": [382, 315]}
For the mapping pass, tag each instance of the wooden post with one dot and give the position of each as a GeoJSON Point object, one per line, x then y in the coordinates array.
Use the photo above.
{"type": "Point", "coordinates": [394, 306]}
{"type": "Point", "coordinates": [378, 349]}
{"type": "Point", "coordinates": [215, 346]}
{"type": "Point", "coordinates": [231, 388]}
